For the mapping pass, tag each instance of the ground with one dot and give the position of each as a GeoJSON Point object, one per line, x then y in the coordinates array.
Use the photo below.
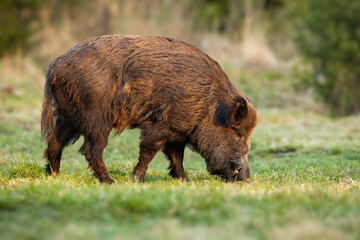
{"type": "Point", "coordinates": [305, 181]}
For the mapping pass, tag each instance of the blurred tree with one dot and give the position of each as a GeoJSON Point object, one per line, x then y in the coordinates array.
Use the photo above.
{"type": "Point", "coordinates": [21, 19]}
{"type": "Point", "coordinates": [232, 16]}
{"type": "Point", "coordinates": [211, 15]}
{"type": "Point", "coordinates": [329, 39]}
{"type": "Point", "coordinates": [102, 24]}
{"type": "Point", "coordinates": [17, 24]}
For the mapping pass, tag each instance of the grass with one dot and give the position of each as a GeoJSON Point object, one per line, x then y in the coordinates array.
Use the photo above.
{"type": "Point", "coordinates": [305, 180]}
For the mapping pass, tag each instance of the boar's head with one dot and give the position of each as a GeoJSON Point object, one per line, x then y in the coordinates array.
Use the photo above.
{"type": "Point", "coordinates": [224, 138]}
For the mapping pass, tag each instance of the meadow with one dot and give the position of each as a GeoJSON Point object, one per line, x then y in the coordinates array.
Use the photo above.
{"type": "Point", "coordinates": [305, 177]}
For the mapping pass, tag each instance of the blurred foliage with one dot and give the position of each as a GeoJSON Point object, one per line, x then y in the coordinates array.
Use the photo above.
{"type": "Point", "coordinates": [210, 14]}
{"type": "Point", "coordinates": [20, 20]}
{"type": "Point", "coordinates": [329, 40]}
{"type": "Point", "coordinates": [228, 16]}
{"type": "Point", "coordinates": [16, 23]}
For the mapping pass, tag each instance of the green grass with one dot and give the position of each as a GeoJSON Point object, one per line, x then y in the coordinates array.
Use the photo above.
{"type": "Point", "coordinates": [305, 181]}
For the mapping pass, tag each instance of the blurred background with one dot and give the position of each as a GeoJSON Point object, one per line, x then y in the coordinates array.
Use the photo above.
{"type": "Point", "coordinates": [303, 54]}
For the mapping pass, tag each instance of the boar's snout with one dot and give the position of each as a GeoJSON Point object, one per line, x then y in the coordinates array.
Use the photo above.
{"type": "Point", "coordinates": [242, 172]}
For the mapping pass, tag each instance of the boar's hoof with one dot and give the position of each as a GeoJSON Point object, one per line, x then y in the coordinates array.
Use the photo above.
{"type": "Point", "coordinates": [51, 172]}
{"type": "Point", "coordinates": [48, 170]}
{"type": "Point", "coordinates": [182, 179]}
{"type": "Point", "coordinates": [106, 180]}
{"type": "Point", "coordinates": [138, 176]}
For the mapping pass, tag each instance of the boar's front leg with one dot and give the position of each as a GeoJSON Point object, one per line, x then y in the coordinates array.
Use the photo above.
{"type": "Point", "coordinates": [148, 150]}
{"type": "Point", "coordinates": [175, 153]}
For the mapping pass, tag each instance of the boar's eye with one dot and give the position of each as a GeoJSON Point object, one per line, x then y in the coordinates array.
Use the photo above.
{"type": "Point", "coordinates": [238, 132]}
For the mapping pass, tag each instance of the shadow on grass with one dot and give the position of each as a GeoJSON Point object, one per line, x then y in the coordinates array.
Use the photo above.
{"type": "Point", "coordinates": [302, 152]}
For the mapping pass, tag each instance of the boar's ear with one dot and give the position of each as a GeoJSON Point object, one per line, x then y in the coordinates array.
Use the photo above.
{"type": "Point", "coordinates": [229, 116]}
{"type": "Point", "coordinates": [221, 114]}
{"type": "Point", "coordinates": [238, 111]}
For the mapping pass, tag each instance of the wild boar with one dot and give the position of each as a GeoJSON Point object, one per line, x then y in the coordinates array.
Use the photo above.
{"type": "Point", "coordinates": [169, 89]}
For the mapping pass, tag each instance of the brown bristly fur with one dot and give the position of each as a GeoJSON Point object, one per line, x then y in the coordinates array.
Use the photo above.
{"type": "Point", "coordinates": [169, 89]}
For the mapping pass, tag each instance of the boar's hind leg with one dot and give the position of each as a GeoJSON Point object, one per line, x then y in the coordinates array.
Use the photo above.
{"type": "Point", "coordinates": [148, 150]}
{"type": "Point", "coordinates": [61, 136]}
{"type": "Point", "coordinates": [93, 149]}
{"type": "Point", "coordinates": [175, 153]}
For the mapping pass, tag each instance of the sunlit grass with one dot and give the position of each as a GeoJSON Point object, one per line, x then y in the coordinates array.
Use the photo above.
{"type": "Point", "coordinates": [305, 181]}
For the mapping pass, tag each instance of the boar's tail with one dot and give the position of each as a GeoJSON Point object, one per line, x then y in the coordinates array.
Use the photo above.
{"type": "Point", "coordinates": [47, 116]}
